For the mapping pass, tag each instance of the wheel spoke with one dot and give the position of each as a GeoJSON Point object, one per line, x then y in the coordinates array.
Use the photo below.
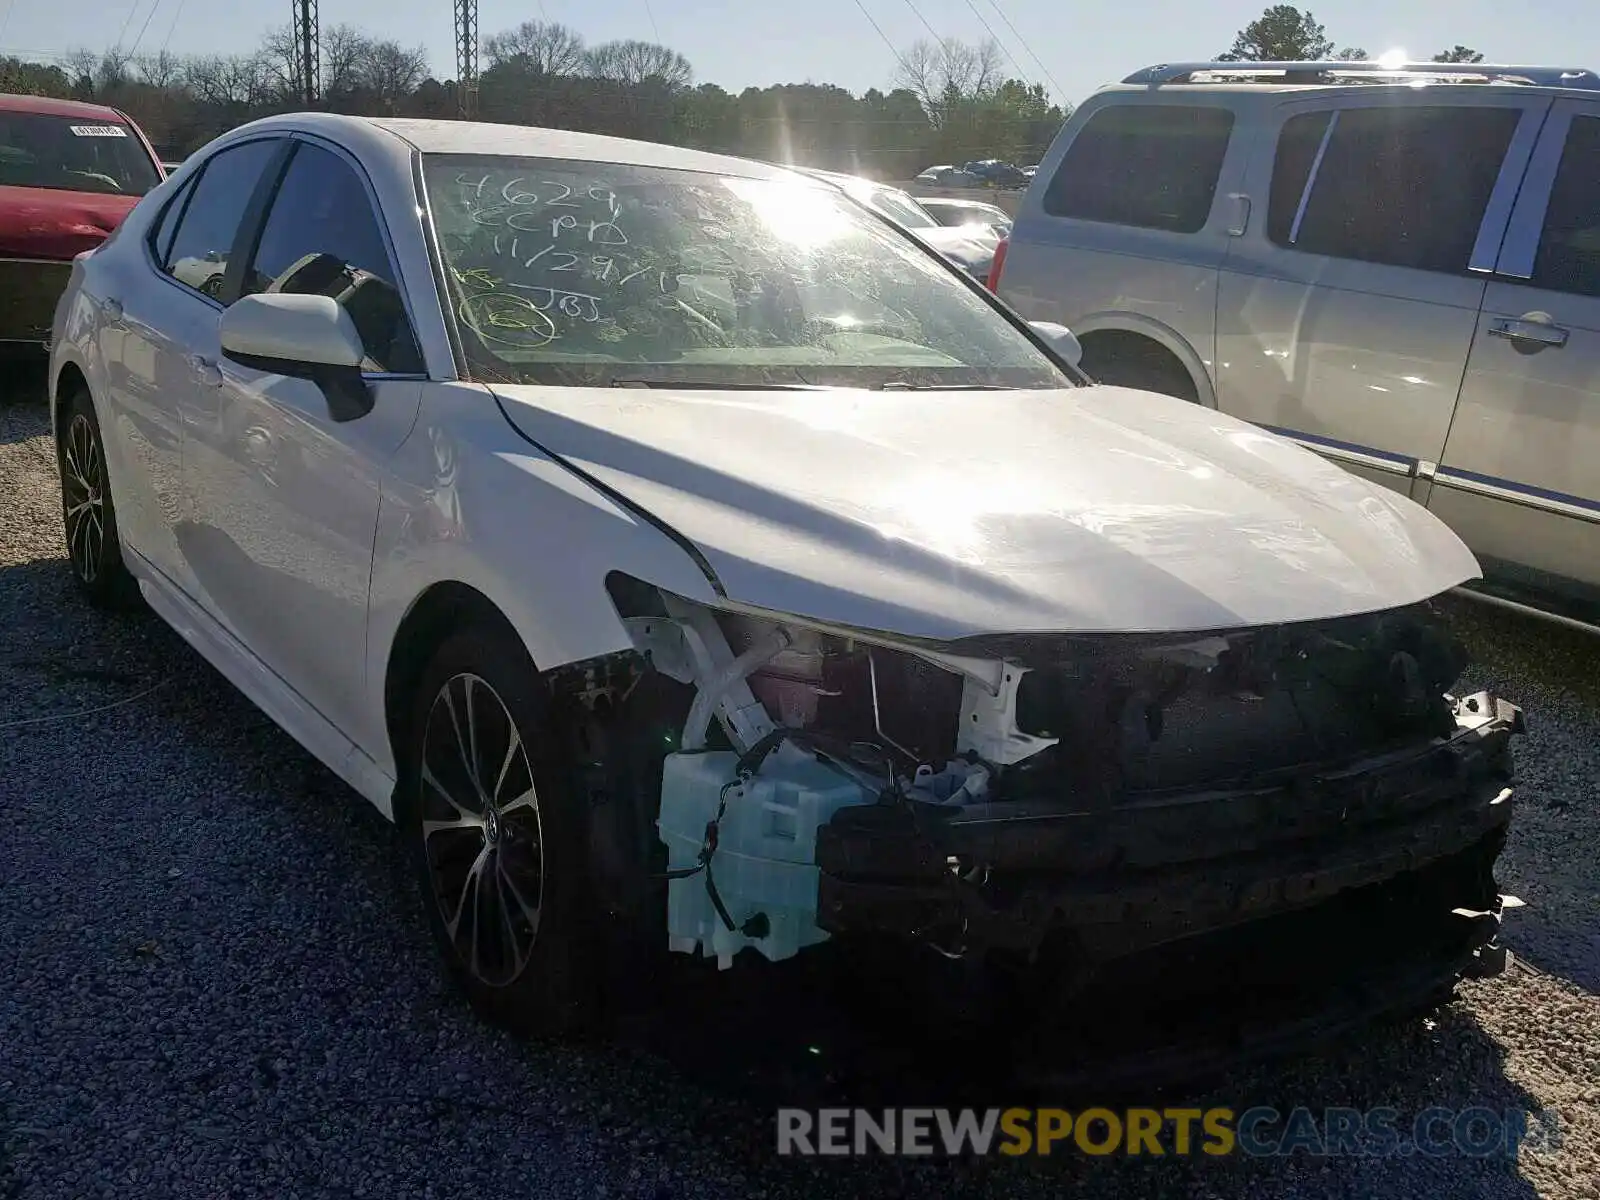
{"type": "Point", "coordinates": [507, 923]}
{"type": "Point", "coordinates": [472, 731]}
{"type": "Point", "coordinates": [469, 895]}
{"type": "Point", "coordinates": [528, 799]}
{"type": "Point", "coordinates": [463, 813]}
{"type": "Point", "coordinates": [530, 912]}
{"type": "Point", "coordinates": [461, 741]}
{"type": "Point", "coordinates": [513, 744]}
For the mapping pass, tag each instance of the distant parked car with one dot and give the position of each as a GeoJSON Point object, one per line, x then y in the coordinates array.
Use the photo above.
{"type": "Point", "coordinates": [962, 214]}
{"type": "Point", "coordinates": [69, 173]}
{"type": "Point", "coordinates": [992, 172]}
{"type": "Point", "coordinates": [948, 176]}
{"type": "Point", "coordinates": [970, 247]}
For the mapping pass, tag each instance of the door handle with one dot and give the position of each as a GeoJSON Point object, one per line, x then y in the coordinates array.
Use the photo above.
{"type": "Point", "coordinates": [113, 310]}
{"type": "Point", "coordinates": [1241, 214]}
{"type": "Point", "coordinates": [210, 374]}
{"type": "Point", "coordinates": [1530, 331]}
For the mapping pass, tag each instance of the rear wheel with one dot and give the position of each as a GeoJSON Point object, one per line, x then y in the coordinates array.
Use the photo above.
{"type": "Point", "coordinates": [495, 841]}
{"type": "Point", "coordinates": [1130, 361]}
{"type": "Point", "coordinates": [88, 514]}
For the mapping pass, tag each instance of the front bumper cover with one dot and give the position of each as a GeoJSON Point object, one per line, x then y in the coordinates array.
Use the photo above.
{"type": "Point", "coordinates": [1167, 867]}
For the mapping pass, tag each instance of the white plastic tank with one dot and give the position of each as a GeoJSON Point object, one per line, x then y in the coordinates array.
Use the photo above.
{"type": "Point", "coordinates": [766, 849]}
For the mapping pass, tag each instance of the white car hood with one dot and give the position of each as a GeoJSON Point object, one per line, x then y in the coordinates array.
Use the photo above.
{"type": "Point", "coordinates": [942, 515]}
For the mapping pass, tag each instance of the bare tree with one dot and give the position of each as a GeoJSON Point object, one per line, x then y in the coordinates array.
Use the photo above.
{"type": "Point", "coordinates": [163, 70]}
{"type": "Point", "coordinates": [941, 74]}
{"type": "Point", "coordinates": [280, 54]}
{"type": "Point", "coordinates": [105, 70]}
{"type": "Point", "coordinates": [1459, 54]}
{"type": "Point", "coordinates": [345, 54]}
{"type": "Point", "coordinates": [390, 71]}
{"type": "Point", "coordinates": [231, 81]}
{"type": "Point", "coordinates": [633, 62]}
{"type": "Point", "coordinates": [544, 47]}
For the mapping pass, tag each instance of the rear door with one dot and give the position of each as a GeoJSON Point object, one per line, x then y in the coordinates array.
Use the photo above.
{"type": "Point", "coordinates": [1130, 231]}
{"type": "Point", "coordinates": [1346, 310]}
{"type": "Point", "coordinates": [1520, 477]}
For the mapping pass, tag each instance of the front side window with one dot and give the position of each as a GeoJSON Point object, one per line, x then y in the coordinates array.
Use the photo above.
{"type": "Point", "coordinates": [1401, 186]}
{"type": "Point", "coordinates": [1152, 166]}
{"type": "Point", "coordinates": [73, 154]}
{"type": "Point", "coordinates": [1569, 247]}
{"type": "Point", "coordinates": [322, 236]}
{"type": "Point", "coordinates": [603, 274]}
{"type": "Point", "coordinates": [209, 221]}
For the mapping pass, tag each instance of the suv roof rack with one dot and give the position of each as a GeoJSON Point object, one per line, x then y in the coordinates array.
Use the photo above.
{"type": "Point", "coordinates": [1365, 71]}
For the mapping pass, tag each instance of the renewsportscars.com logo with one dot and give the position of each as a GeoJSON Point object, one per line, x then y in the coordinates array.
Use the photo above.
{"type": "Point", "coordinates": [1258, 1132]}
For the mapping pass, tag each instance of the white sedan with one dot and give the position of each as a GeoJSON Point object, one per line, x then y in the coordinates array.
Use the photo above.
{"type": "Point", "coordinates": [676, 551]}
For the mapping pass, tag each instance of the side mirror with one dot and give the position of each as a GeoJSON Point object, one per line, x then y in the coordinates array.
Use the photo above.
{"type": "Point", "coordinates": [1062, 339]}
{"type": "Point", "coordinates": [304, 337]}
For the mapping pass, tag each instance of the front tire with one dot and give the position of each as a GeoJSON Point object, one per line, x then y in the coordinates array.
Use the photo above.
{"type": "Point", "coordinates": [88, 514]}
{"type": "Point", "coordinates": [495, 839]}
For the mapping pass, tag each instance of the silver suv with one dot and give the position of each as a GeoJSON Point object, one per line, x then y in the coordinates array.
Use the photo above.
{"type": "Point", "coordinates": [1398, 267]}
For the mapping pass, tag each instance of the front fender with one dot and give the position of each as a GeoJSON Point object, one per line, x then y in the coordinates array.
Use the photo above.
{"type": "Point", "coordinates": [468, 500]}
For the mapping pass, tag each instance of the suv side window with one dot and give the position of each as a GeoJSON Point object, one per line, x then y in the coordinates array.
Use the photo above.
{"type": "Point", "coordinates": [1153, 166]}
{"type": "Point", "coordinates": [1569, 248]}
{"type": "Point", "coordinates": [1400, 186]}
{"type": "Point", "coordinates": [322, 236]}
{"type": "Point", "coordinates": [198, 253]}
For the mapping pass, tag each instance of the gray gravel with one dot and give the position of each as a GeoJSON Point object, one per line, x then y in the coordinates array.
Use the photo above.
{"type": "Point", "coordinates": [214, 979]}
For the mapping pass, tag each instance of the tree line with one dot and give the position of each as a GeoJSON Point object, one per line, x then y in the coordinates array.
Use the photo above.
{"type": "Point", "coordinates": [950, 101]}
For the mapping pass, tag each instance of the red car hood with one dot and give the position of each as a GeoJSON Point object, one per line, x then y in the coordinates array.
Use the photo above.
{"type": "Point", "coordinates": [44, 223]}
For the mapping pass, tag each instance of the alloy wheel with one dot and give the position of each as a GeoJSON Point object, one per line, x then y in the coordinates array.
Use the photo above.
{"type": "Point", "coordinates": [83, 495]}
{"type": "Point", "coordinates": [480, 829]}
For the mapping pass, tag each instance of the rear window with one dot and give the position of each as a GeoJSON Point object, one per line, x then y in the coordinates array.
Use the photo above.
{"type": "Point", "coordinates": [1400, 186]}
{"type": "Point", "coordinates": [1153, 166]}
{"type": "Point", "coordinates": [73, 154]}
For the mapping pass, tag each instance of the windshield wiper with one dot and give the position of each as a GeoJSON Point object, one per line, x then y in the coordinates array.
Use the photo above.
{"type": "Point", "coordinates": [700, 385]}
{"type": "Point", "coordinates": [900, 385]}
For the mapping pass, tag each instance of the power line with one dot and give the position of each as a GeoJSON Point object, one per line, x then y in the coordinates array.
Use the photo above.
{"type": "Point", "coordinates": [5, 15]}
{"type": "Point", "coordinates": [148, 17]}
{"type": "Point", "coordinates": [171, 29]}
{"type": "Point", "coordinates": [994, 37]}
{"type": "Point", "coordinates": [937, 36]}
{"type": "Point", "coordinates": [127, 23]}
{"type": "Point", "coordinates": [871, 21]}
{"type": "Point", "coordinates": [651, 13]}
{"type": "Point", "coordinates": [1026, 49]}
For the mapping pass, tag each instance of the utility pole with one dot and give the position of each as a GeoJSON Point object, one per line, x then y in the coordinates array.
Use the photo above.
{"type": "Point", "coordinates": [308, 47]}
{"type": "Point", "coordinates": [467, 58]}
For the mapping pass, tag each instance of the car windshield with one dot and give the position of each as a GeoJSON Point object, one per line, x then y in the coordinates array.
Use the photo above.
{"type": "Point", "coordinates": [596, 274]}
{"type": "Point", "coordinates": [75, 154]}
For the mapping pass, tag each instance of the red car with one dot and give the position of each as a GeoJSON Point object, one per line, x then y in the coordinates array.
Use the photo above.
{"type": "Point", "coordinates": [69, 173]}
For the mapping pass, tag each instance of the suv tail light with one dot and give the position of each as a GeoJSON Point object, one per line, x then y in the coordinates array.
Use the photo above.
{"type": "Point", "coordinates": [993, 282]}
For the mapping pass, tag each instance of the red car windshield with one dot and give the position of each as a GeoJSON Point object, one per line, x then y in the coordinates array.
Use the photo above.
{"type": "Point", "coordinates": [75, 154]}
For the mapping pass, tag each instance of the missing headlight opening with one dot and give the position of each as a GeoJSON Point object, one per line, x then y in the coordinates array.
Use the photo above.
{"type": "Point", "coordinates": [1048, 796]}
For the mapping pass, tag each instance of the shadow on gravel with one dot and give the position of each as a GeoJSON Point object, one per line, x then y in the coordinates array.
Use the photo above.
{"type": "Point", "coordinates": [22, 383]}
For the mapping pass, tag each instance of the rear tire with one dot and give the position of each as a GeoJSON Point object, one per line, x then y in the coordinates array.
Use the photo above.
{"type": "Point", "coordinates": [496, 839]}
{"type": "Point", "coordinates": [88, 513]}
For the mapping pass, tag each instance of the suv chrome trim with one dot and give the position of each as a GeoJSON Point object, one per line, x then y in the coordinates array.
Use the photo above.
{"type": "Point", "coordinates": [1486, 250]}
{"type": "Point", "coordinates": [1526, 227]}
{"type": "Point", "coordinates": [1311, 177]}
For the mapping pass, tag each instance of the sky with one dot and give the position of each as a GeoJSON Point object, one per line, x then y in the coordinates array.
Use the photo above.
{"type": "Point", "coordinates": [737, 43]}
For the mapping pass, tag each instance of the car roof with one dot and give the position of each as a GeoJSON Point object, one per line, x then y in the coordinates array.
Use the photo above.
{"type": "Point", "coordinates": [477, 137]}
{"type": "Point", "coordinates": [1358, 76]}
{"type": "Point", "coordinates": [373, 134]}
{"type": "Point", "coordinates": [47, 106]}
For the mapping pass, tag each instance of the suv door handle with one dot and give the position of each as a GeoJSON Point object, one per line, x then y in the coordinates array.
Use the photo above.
{"type": "Point", "coordinates": [210, 374]}
{"type": "Point", "coordinates": [1531, 330]}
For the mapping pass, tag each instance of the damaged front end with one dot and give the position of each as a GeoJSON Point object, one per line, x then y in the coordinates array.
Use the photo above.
{"type": "Point", "coordinates": [1069, 801]}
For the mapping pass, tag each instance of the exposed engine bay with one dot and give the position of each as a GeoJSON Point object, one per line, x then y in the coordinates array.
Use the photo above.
{"type": "Point", "coordinates": [1040, 796]}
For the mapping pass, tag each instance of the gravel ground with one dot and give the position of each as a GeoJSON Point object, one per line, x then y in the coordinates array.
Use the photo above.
{"type": "Point", "coordinates": [214, 979]}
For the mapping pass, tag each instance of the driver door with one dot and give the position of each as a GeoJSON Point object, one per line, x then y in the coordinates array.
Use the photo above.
{"type": "Point", "coordinates": [285, 498]}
